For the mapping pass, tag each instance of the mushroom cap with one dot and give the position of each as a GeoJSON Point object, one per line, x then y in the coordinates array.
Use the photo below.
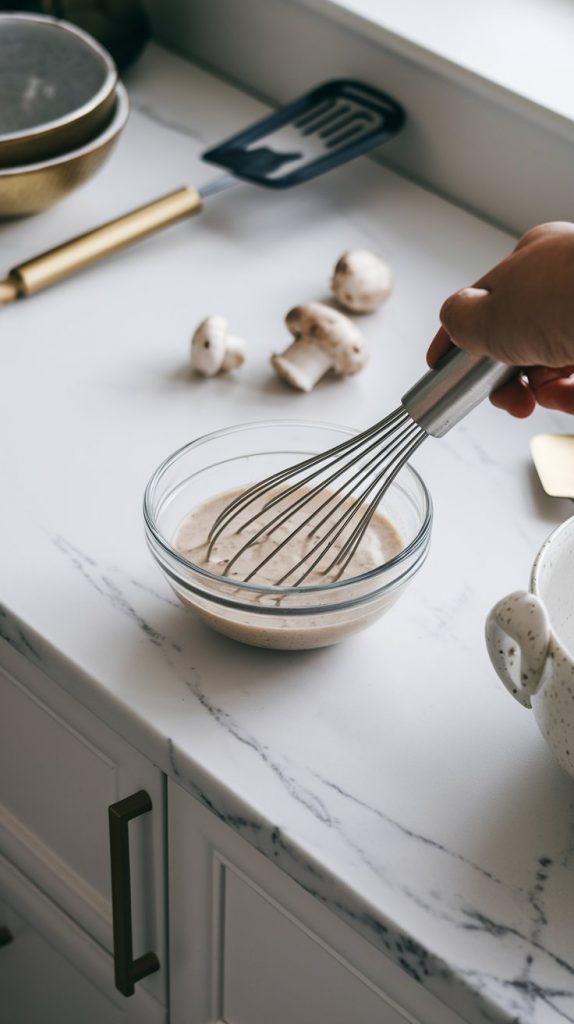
{"type": "Point", "coordinates": [331, 331]}
{"type": "Point", "coordinates": [208, 345]}
{"type": "Point", "coordinates": [361, 281]}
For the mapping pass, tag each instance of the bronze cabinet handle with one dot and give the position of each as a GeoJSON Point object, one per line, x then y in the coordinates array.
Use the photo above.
{"type": "Point", "coordinates": [5, 936]}
{"type": "Point", "coordinates": [127, 970]}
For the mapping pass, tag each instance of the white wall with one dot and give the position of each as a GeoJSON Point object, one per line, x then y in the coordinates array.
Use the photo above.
{"type": "Point", "coordinates": [497, 155]}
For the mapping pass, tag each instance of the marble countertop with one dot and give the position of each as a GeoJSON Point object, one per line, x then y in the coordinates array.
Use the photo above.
{"type": "Point", "coordinates": [395, 776]}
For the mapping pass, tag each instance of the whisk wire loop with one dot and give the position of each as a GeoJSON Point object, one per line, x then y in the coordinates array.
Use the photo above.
{"type": "Point", "coordinates": [350, 547]}
{"type": "Point", "coordinates": [340, 525]}
{"type": "Point", "coordinates": [362, 468]}
{"type": "Point", "coordinates": [325, 459]}
{"type": "Point", "coordinates": [269, 527]}
{"type": "Point", "coordinates": [363, 472]}
{"type": "Point", "coordinates": [377, 458]}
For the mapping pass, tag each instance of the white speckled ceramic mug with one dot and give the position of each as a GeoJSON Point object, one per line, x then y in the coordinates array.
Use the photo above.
{"type": "Point", "coordinates": [530, 640]}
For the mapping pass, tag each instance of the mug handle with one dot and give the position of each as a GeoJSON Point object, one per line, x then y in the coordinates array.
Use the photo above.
{"type": "Point", "coordinates": [517, 639]}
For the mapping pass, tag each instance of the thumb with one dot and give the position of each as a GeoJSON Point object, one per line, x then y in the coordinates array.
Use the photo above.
{"type": "Point", "coordinates": [464, 317]}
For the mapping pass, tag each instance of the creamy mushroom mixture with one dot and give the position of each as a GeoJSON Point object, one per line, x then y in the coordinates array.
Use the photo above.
{"type": "Point", "coordinates": [380, 543]}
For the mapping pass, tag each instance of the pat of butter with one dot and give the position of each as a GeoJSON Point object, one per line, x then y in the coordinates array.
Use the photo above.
{"type": "Point", "coordinates": [553, 456]}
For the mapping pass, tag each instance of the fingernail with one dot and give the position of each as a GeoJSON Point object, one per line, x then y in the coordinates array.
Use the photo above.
{"type": "Point", "coordinates": [472, 293]}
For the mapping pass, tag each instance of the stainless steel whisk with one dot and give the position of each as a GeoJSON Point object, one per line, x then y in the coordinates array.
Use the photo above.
{"type": "Point", "coordinates": [351, 479]}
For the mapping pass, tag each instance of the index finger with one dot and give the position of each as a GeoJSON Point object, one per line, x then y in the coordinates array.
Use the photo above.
{"type": "Point", "coordinates": [439, 346]}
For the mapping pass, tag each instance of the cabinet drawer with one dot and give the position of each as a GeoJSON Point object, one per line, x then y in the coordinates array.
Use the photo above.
{"type": "Point", "coordinates": [275, 969]}
{"type": "Point", "coordinates": [60, 769]}
{"type": "Point", "coordinates": [51, 972]}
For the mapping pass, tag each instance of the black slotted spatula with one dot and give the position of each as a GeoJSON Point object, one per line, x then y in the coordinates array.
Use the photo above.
{"type": "Point", "coordinates": [317, 132]}
{"type": "Point", "coordinates": [326, 127]}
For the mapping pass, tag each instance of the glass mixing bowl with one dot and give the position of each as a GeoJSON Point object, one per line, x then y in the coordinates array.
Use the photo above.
{"type": "Point", "coordinates": [288, 618]}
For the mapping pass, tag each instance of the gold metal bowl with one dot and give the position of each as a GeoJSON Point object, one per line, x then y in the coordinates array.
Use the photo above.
{"type": "Point", "coordinates": [57, 86]}
{"type": "Point", "coordinates": [33, 187]}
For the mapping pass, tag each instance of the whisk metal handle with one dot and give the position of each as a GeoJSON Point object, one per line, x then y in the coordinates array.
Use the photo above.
{"type": "Point", "coordinates": [457, 384]}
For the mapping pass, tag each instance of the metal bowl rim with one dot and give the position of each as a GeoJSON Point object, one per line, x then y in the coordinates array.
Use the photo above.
{"type": "Point", "coordinates": [122, 108]}
{"type": "Point", "coordinates": [108, 86]}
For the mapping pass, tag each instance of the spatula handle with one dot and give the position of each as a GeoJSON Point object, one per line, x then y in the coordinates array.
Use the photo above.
{"type": "Point", "coordinates": [80, 252]}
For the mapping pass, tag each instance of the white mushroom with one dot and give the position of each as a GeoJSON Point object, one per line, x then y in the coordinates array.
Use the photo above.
{"type": "Point", "coordinates": [214, 349]}
{"type": "Point", "coordinates": [324, 340]}
{"type": "Point", "coordinates": [361, 281]}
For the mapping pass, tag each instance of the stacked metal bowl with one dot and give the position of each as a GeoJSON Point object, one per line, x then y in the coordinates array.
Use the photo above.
{"type": "Point", "coordinates": [62, 110]}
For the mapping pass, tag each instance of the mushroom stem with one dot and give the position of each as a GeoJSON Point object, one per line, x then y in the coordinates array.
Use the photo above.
{"type": "Point", "coordinates": [234, 353]}
{"type": "Point", "coordinates": [302, 364]}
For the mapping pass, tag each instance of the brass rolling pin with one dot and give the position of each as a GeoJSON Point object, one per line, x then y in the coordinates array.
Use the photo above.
{"type": "Point", "coordinates": [80, 252]}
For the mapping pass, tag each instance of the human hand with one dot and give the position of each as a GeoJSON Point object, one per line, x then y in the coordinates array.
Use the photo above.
{"type": "Point", "coordinates": [522, 313]}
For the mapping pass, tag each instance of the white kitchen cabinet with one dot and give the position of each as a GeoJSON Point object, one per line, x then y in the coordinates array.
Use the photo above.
{"type": "Point", "coordinates": [60, 770]}
{"type": "Point", "coordinates": [249, 946]}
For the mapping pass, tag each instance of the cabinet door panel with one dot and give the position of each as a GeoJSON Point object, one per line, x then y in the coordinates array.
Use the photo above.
{"type": "Point", "coordinates": [60, 769]}
{"type": "Point", "coordinates": [250, 946]}
{"type": "Point", "coordinates": [275, 969]}
{"type": "Point", "coordinates": [50, 776]}
{"type": "Point", "coordinates": [53, 973]}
